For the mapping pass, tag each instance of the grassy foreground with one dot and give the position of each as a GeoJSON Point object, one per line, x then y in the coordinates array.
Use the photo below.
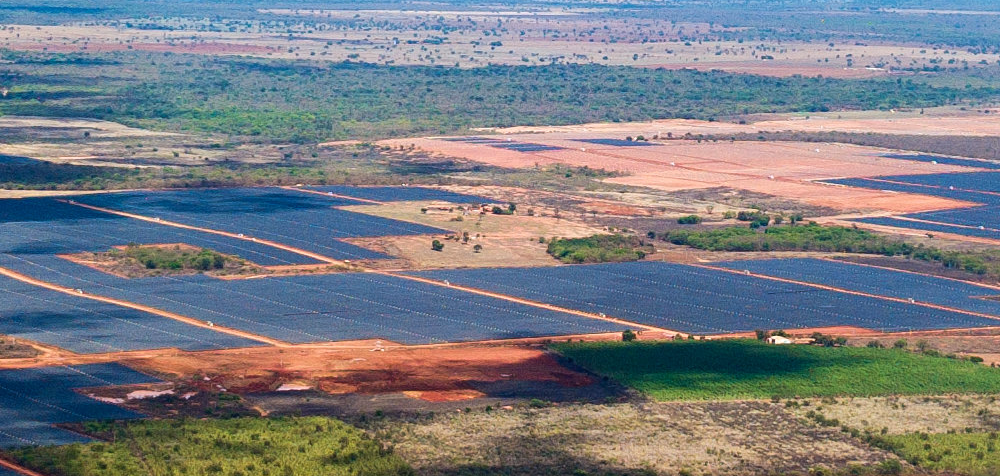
{"type": "Point", "coordinates": [749, 369]}
{"type": "Point", "coordinates": [948, 453]}
{"type": "Point", "coordinates": [236, 447]}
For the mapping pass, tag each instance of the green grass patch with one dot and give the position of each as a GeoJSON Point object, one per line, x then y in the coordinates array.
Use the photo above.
{"type": "Point", "coordinates": [971, 454]}
{"type": "Point", "coordinates": [242, 446]}
{"type": "Point", "coordinates": [599, 249]}
{"type": "Point", "coordinates": [749, 369]}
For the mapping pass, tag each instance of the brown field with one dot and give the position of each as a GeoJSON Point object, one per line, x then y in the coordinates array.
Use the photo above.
{"type": "Point", "coordinates": [783, 169]}
{"type": "Point", "coordinates": [934, 122]}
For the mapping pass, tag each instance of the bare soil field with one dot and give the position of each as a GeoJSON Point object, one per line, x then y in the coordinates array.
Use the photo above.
{"type": "Point", "coordinates": [933, 122]}
{"type": "Point", "coordinates": [365, 367]}
{"type": "Point", "coordinates": [785, 169]}
{"type": "Point", "coordinates": [634, 438]}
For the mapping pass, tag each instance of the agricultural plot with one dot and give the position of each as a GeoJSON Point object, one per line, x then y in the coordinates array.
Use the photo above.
{"type": "Point", "coordinates": [866, 279]}
{"type": "Point", "coordinates": [702, 301]}
{"type": "Point", "coordinates": [305, 221]}
{"type": "Point", "coordinates": [745, 369]}
{"type": "Point", "coordinates": [43, 225]}
{"type": "Point", "coordinates": [85, 326]}
{"type": "Point", "coordinates": [616, 142]}
{"type": "Point", "coordinates": [320, 308]}
{"type": "Point", "coordinates": [401, 194]}
{"type": "Point", "coordinates": [32, 400]}
{"type": "Point", "coordinates": [983, 164]}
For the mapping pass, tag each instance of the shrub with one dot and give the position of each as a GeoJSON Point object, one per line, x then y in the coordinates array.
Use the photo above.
{"type": "Point", "coordinates": [687, 220]}
{"type": "Point", "coordinates": [436, 245]}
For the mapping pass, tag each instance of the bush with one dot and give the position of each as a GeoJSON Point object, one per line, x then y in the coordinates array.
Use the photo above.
{"type": "Point", "coordinates": [900, 344]}
{"type": "Point", "coordinates": [599, 249]}
{"type": "Point", "coordinates": [687, 220]}
{"type": "Point", "coordinates": [436, 245]}
{"type": "Point", "coordinates": [628, 335]}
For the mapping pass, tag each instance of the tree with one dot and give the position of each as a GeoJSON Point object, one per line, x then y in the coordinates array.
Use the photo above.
{"type": "Point", "coordinates": [477, 248]}
{"type": "Point", "coordinates": [512, 208]}
{"type": "Point", "coordinates": [628, 335]}
{"type": "Point", "coordinates": [923, 345]}
{"type": "Point", "coordinates": [762, 334]}
{"type": "Point", "coordinates": [436, 245]}
{"type": "Point", "coordinates": [874, 344]}
{"type": "Point", "coordinates": [900, 344]}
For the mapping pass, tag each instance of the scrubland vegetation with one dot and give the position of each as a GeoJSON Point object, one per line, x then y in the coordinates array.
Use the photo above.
{"type": "Point", "coordinates": [742, 369]}
{"type": "Point", "coordinates": [231, 447]}
{"type": "Point", "coordinates": [599, 249]}
{"type": "Point", "coordinates": [303, 101]}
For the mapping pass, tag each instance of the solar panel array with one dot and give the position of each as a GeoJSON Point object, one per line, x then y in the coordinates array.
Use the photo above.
{"type": "Point", "coordinates": [698, 300]}
{"type": "Point", "coordinates": [884, 282]}
{"type": "Point", "coordinates": [977, 187]}
{"type": "Point", "coordinates": [33, 400]}
{"type": "Point", "coordinates": [302, 220]}
{"type": "Point", "coordinates": [318, 308]}
{"type": "Point", "coordinates": [86, 326]}
{"type": "Point", "coordinates": [505, 144]}
{"type": "Point", "coordinates": [983, 164]}
{"type": "Point", "coordinates": [617, 142]}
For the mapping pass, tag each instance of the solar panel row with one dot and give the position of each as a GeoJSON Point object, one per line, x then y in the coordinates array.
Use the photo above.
{"type": "Point", "coordinates": [32, 400]}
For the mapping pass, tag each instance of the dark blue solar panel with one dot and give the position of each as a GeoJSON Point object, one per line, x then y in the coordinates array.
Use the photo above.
{"type": "Point", "coordinates": [524, 147]}
{"type": "Point", "coordinates": [617, 142]}
{"type": "Point", "coordinates": [898, 284]}
{"type": "Point", "coordinates": [33, 400]}
{"type": "Point", "coordinates": [699, 300]}
{"type": "Point", "coordinates": [303, 220]}
{"type": "Point", "coordinates": [318, 308]}
{"type": "Point", "coordinates": [983, 164]}
{"type": "Point", "coordinates": [930, 227]}
{"type": "Point", "coordinates": [86, 326]}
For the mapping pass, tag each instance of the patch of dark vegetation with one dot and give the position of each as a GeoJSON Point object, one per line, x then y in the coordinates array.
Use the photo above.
{"type": "Point", "coordinates": [599, 249]}
{"type": "Point", "coordinates": [304, 101]}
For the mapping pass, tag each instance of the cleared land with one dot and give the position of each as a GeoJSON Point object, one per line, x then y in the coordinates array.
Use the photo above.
{"type": "Point", "coordinates": [785, 169]}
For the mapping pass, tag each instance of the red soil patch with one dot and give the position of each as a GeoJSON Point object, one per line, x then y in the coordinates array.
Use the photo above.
{"type": "Point", "coordinates": [439, 373]}
{"type": "Point", "coordinates": [446, 396]}
{"type": "Point", "coordinates": [784, 169]}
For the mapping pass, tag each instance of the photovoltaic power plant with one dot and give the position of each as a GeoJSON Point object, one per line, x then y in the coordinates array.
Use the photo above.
{"type": "Point", "coordinates": [320, 308]}
{"type": "Point", "coordinates": [697, 300]}
{"type": "Point", "coordinates": [87, 326]}
{"type": "Point", "coordinates": [879, 281]}
{"type": "Point", "coordinates": [33, 400]}
{"type": "Point", "coordinates": [303, 220]}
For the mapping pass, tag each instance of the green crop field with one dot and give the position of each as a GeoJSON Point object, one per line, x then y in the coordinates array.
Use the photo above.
{"type": "Point", "coordinates": [970, 454]}
{"type": "Point", "coordinates": [748, 369]}
{"type": "Point", "coordinates": [243, 446]}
